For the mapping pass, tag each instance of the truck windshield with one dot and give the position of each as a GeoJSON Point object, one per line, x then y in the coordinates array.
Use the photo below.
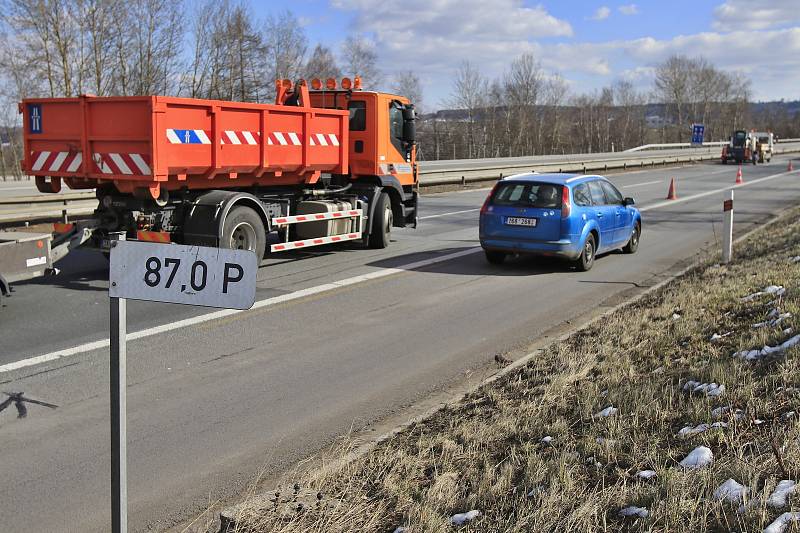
{"type": "Point", "coordinates": [739, 137]}
{"type": "Point", "coordinates": [541, 195]}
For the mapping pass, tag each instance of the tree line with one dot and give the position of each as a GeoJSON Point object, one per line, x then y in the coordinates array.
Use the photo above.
{"type": "Point", "coordinates": [529, 111]}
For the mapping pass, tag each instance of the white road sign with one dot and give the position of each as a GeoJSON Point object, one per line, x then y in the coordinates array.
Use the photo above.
{"type": "Point", "coordinates": [194, 275]}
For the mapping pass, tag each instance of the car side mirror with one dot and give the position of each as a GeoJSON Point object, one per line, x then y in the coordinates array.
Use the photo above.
{"type": "Point", "coordinates": [628, 201]}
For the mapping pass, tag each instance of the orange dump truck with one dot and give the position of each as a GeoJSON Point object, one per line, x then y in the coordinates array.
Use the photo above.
{"type": "Point", "coordinates": [319, 166]}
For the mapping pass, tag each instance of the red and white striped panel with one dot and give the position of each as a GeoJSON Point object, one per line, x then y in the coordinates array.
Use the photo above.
{"type": "Point", "coordinates": [239, 137]}
{"type": "Point", "coordinates": [317, 216]}
{"type": "Point", "coordinates": [314, 242]}
{"type": "Point", "coordinates": [323, 139]}
{"type": "Point", "coordinates": [56, 161]}
{"type": "Point", "coordinates": [279, 138]}
{"type": "Point", "coordinates": [127, 164]}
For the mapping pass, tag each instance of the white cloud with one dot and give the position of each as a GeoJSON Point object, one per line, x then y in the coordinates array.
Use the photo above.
{"type": "Point", "coordinates": [756, 14]}
{"type": "Point", "coordinates": [434, 36]}
{"type": "Point", "coordinates": [602, 13]}
{"type": "Point", "coordinates": [629, 9]}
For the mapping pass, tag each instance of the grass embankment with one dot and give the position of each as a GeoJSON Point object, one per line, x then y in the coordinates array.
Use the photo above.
{"type": "Point", "coordinates": [487, 453]}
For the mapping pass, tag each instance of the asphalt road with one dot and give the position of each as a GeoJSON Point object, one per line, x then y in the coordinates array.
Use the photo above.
{"type": "Point", "coordinates": [340, 338]}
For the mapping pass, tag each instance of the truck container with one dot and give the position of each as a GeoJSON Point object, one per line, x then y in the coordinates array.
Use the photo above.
{"type": "Point", "coordinates": [230, 174]}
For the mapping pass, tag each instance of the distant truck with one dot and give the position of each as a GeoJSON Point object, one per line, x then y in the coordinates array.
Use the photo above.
{"type": "Point", "coordinates": [324, 164]}
{"type": "Point", "coordinates": [738, 148]}
{"type": "Point", "coordinates": [763, 142]}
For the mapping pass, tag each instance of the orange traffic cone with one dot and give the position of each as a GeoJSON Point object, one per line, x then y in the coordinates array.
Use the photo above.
{"type": "Point", "coordinates": [739, 179]}
{"type": "Point", "coordinates": [790, 168]}
{"type": "Point", "coordinates": [672, 195]}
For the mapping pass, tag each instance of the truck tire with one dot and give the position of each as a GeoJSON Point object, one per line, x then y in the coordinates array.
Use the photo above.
{"type": "Point", "coordinates": [381, 224]}
{"type": "Point", "coordinates": [244, 230]}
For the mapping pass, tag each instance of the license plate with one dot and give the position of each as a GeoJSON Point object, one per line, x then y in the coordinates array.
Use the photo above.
{"type": "Point", "coordinates": [521, 221]}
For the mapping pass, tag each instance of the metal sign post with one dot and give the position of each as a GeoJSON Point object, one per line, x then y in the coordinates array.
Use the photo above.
{"type": "Point", "coordinates": [191, 275]}
{"type": "Point", "coordinates": [119, 429]}
{"type": "Point", "coordinates": [727, 230]}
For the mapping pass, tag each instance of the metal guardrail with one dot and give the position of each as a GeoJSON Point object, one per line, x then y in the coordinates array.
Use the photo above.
{"type": "Point", "coordinates": [664, 146]}
{"type": "Point", "coordinates": [434, 173]}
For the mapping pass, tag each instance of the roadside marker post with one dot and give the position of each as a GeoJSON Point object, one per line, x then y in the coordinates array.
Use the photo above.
{"type": "Point", "coordinates": [727, 231]}
{"type": "Point", "coordinates": [156, 272]}
{"type": "Point", "coordinates": [119, 408]}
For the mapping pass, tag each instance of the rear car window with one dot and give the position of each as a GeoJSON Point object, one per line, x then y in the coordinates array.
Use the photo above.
{"type": "Point", "coordinates": [598, 196]}
{"type": "Point", "coordinates": [542, 195]}
{"type": "Point", "coordinates": [581, 195]}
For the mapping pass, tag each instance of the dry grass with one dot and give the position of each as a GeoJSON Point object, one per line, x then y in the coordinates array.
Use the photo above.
{"type": "Point", "coordinates": [485, 452]}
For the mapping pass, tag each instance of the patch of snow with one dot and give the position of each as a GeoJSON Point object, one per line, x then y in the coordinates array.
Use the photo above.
{"type": "Point", "coordinates": [461, 518]}
{"type": "Point", "coordinates": [773, 322]}
{"type": "Point", "coordinates": [709, 389]}
{"type": "Point", "coordinates": [608, 411]}
{"type": "Point", "coordinates": [780, 523]}
{"type": "Point", "coordinates": [698, 458]}
{"type": "Point", "coordinates": [781, 493]}
{"type": "Point", "coordinates": [789, 415]}
{"type": "Point", "coordinates": [787, 331]}
{"type": "Point", "coordinates": [604, 393]}
{"type": "Point", "coordinates": [535, 490]}
{"type": "Point", "coordinates": [758, 421]}
{"type": "Point", "coordinates": [716, 337]}
{"type": "Point", "coordinates": [604, 441]}
{"type": "Point", "coordinates": [719, 412]}
{"type": "Point", "coordinates": [641, 512]}
{"type": "Point", "coordinates": [731, 491]}
{"type": "Point", "coordinates": [795, 259]}
{"type": "Point", "coordinates": [400, 529]}
{"type": "Point", "coordinates": [690, 431]}
{"type": "Point", "coordinates": [646, 474]}
{"type": "Point", "coordinates": [546, 440]}
{"type": "Point", "coordinates": [753, 355]}
{"type": "Point", "coordinates": [676, 316]}
{"type": "Point", "coordinates": [777, 290]}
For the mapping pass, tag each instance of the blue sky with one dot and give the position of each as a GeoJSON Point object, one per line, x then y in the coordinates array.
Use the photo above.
{"type": "Point", "coordinates": [590, 44]}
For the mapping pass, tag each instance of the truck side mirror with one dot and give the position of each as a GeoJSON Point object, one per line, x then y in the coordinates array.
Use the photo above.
{"type": "Point", "coordinates": [628, 201]}
{"type": "Point", "coordinates": [409, 124]}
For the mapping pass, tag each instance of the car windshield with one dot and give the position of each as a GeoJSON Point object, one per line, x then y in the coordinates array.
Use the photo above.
{"type": "Point", "coordinates": [542, 195]}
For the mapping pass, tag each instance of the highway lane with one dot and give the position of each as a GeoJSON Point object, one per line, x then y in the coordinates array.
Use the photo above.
{"type": "Point", "coordinates": [212, 403]}
{"type": "Point", "coordinates": [76, 301]}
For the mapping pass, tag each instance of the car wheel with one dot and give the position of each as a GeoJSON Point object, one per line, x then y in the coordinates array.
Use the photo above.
{"type": "Point", "coordinates": [495, 258]}
{"type": "Point", "coordinates": [244, 230]}
{"type": "Point", "coordinates": [381, 228]}
{"type": "Point", "coordinates": [586, 259]}
{"type": "Point", "coordinates": [633, 242]}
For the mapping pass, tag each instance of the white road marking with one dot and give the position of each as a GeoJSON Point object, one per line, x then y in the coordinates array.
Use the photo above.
{"type": "Point", "coordinates": [451, 213]}
{"type": "Point", "coordinates": [104, 343]}
{"type": "Point", "coordinates": [641, 184]}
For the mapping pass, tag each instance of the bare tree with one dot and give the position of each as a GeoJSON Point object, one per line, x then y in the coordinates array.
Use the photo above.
{"type": "Point", "coordinates": [407, 84]}
{"type": "Point", "coordinates": [322, 64]}
{"type": "Point", "coordinates": [523, 83]}
{"type": "Point", "coordinates": [285, 46]}
{"type": "Point", "coordinates": [470, 94]}
{"type": "Point", "coordinates": [360, 59]}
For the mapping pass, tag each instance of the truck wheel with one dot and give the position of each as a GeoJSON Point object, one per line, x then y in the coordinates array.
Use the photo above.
{"type": "Point", "coordinates": [586, 259]}
{"type": "Point", "coordinates": [244, 230]}
{"type": "Point", "coordinates": [381, 225]}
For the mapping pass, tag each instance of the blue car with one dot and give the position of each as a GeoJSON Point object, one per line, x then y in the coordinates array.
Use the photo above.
{"type": "Point", "coordinates": [572, 216]}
